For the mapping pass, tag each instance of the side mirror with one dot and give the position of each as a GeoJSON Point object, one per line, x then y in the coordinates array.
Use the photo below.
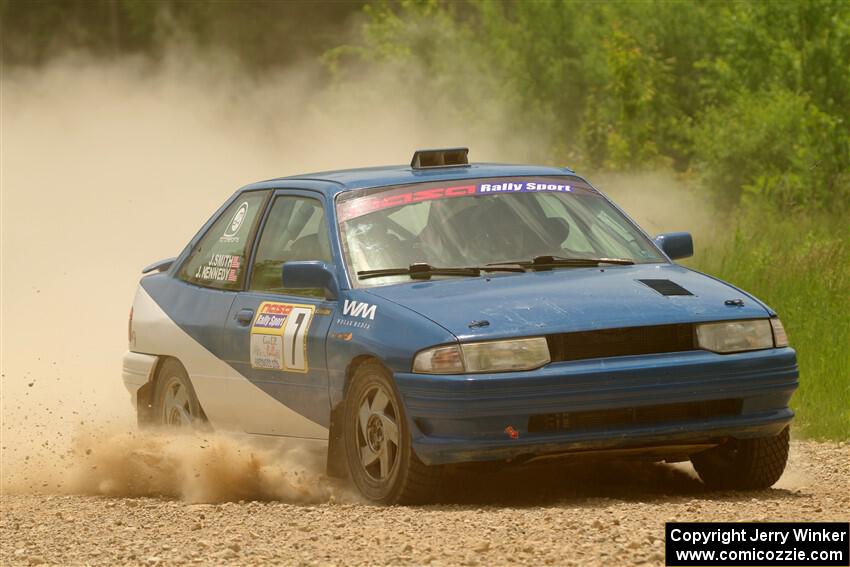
{"type": "Point", "coordinates": [676, 244]}
{"type": "Point", "coordinates": [310, 274]}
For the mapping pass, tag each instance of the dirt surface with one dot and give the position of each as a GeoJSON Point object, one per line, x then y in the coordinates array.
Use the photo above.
{"type": "Point", "coordinates": [553, 515]}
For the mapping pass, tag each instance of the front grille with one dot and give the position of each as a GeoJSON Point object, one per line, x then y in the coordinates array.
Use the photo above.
{"type": "Point", "coordinates": [621, 342]}
{"type": "Point", "coordinates": [642, 415]}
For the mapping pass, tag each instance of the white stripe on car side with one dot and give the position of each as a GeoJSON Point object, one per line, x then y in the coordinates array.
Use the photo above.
{"type": "Point", "coordinates": [230, 400]}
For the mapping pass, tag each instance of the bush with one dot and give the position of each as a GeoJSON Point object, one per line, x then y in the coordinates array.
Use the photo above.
{"type": "Point", "coordinates": [772, 145]}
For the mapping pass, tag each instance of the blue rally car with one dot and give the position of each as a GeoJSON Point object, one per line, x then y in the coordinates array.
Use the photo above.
{"type": "Point", "coordinates": [446, 312]}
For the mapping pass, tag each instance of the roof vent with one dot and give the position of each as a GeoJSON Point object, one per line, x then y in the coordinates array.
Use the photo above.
{"type": "Point", "coordinates": [665, 287]}
{"type": "Point", "coordinates": [446, 157]}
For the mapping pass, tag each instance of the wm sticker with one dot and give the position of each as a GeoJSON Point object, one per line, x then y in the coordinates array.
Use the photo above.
{"type": "Point", "coordinates": [359, 309]}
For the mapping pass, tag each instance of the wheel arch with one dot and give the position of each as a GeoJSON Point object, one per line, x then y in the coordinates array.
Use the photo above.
{"type": "Point", "coordinates": [355, 364]}
{"type": "Point", "coordinates": [335, 465]}
{"type": "Point", "coordinates": [145, 394]}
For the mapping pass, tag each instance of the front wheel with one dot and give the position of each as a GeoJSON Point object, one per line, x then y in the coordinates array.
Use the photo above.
{"type": "Point", "coordinates": [744, 464]}
{"type": "Point", "coordinates": [378, 450]}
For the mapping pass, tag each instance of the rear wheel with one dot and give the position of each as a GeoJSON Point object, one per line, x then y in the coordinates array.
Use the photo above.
{"type": "Point", "coordinates": [378, 450]}
{"type": "Point", "coordinates": [175, 403]}
{"type": "Point", "coordinates": [744, 464]}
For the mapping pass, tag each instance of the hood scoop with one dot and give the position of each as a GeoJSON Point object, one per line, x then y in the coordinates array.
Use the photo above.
{"type": "Point", "coordinates": [665, 287]}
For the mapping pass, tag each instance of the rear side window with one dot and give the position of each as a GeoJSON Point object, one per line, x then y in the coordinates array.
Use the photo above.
{"type": "Point", "coordinates": [219, 258]}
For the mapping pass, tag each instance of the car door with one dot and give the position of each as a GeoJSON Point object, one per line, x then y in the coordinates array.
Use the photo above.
{"type": "Point", "coordinates": [276, 336]}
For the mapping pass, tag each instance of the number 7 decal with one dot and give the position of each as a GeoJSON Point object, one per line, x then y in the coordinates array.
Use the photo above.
{"type": "Point", "coordinates": [279, 336]}
{"type": "Point", "coordinates": [298, 322]}
{"type": "Point", "coordinates": [295, 338]}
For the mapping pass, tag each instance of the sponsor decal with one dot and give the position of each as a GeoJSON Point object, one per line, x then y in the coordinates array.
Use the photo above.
{"type": "Point", "coordinates": [279, 336]}
{"type": "Point", "coordinates": [357, 314]}
{"type": "Point", "coordinates": [359, 309]}
{"type": "Point", "coordinates": [395, 198]}
{"type": "Point", "coordinates": [342, 336]}
{"type": "Point", "coordinates": [366, 205]}
{"type": "Point", "coordinates": [270, 321]}
{"type": "Point", "coordinates": [220, 268]}
{"type": "Point", "coordinates": [272, 316]}
{"type": "Point", "coordinates": [523, 187]}
{"type": "Point", "coordinates": [235, 224]}
{"type": "Point", "coordinates": [267, 351]}
{"type": "Point", "coordinates": [324, 311]}
{"type": "Point", "coordinates": [357, 324]}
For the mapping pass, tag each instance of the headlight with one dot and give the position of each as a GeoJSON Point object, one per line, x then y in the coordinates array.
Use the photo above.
{"type": "Point", "coordinates": [440, 360]}
{"type": "Point", "coordinates": [735, 336]}
{"type": "Point", "coordinates": [490, 356]}
{"type": "Point", "coordinates": [505, 356]}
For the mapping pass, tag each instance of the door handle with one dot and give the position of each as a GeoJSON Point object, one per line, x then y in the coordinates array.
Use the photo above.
{"type": "Point", "coordinates": [244, 316]}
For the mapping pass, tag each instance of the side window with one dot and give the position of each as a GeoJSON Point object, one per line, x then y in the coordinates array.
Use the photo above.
{"type": "Point", "coordinates": [219, 258]}
{"type": "Point", "coordinates": [295, 230]}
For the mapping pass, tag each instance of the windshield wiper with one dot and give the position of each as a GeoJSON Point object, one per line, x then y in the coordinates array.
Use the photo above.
{"type": "Point", "coordinates": [421, 270]}
{"type": "Point", "coordinates": [558, 261]}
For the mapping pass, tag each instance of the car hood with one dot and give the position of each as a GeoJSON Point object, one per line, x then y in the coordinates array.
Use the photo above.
{"type": "Point", "coordinates": [570, 299]}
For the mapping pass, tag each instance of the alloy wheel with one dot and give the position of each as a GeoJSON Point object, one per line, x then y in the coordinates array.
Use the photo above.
{"type": "Point", "coordinates": [176, 406]}
{"type": "Point", "coordinates": [378, 433]}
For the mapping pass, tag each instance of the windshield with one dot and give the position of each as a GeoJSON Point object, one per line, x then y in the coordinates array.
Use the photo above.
{"type": "Point", "coordinates": [487, 221]}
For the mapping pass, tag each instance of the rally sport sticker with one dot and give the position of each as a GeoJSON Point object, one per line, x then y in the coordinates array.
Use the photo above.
{"type": "Point", "coordinates": [279, 336]}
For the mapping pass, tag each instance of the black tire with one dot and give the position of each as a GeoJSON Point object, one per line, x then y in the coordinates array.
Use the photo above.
{"type": "Point", "coordinates": [744, 464]}
{"type": "Point", "coordinates": [174, 401]}
{"type": "Point", "coordinates": [402, 478]}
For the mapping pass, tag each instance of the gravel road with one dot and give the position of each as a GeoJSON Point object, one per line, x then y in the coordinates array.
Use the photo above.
{"type": "Point", "coordinates": [556, 515]}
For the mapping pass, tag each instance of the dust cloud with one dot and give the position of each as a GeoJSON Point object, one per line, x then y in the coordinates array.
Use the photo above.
{"type": "Point", "coordinates": [193, 466]}
{"type": "Point", "coordinates": [108, 166]}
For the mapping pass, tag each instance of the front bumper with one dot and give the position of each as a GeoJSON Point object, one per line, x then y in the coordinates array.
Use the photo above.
{"type": "Point", "coordinates": [464, 418]}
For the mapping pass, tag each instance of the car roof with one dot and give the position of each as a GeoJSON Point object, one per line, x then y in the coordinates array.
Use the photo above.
{"type": "Point", "coordinates": [347, 179]}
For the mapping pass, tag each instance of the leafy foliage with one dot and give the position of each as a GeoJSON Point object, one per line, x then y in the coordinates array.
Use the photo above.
{"type": "Point", "coordinates": [751, 95]}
